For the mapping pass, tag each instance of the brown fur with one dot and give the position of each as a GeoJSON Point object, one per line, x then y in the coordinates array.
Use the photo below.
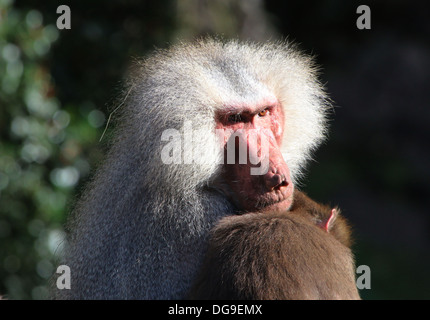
{"type": "Point", "coordinates": [319, 213]}
{"type": "Point", "coordinates": [278, 256]}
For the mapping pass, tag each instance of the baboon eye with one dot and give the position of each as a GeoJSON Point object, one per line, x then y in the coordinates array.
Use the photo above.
{"type": "Point", "coordinates": [263, 113]}
{"type": "Point", "coordinates": [235, 118]}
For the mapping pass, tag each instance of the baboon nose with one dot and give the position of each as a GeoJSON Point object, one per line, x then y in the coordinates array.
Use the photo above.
{"type": "Point", "coordinates": [275, 181]}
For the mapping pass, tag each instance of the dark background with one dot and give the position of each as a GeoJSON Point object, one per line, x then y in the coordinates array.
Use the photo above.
{"type": "Point", "coordinates": [57, 88]}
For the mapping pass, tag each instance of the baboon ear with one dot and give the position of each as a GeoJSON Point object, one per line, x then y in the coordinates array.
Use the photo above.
{"type": "Point", "coordinates": [327, 224]}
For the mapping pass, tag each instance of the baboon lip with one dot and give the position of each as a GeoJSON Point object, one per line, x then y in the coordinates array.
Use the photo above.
{"type": "Point", "coordinates": [272, 201]}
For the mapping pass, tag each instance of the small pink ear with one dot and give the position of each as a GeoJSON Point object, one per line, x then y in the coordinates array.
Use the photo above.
{"type": "Point", "coordinates": [330, 220]}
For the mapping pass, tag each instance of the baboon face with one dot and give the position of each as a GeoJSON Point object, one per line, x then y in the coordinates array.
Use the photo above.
{"type": "Point", "coordinates": [257, 175]}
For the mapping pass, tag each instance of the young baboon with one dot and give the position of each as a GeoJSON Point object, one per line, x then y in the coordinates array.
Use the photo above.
{"type": "Point", "coordinates": [323, 216]}
{"type": "Point", "coordinates": [288, 255]}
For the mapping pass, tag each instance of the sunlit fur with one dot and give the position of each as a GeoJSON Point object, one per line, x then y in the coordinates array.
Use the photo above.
{"type": "Point", "coordinates": [140, 229]}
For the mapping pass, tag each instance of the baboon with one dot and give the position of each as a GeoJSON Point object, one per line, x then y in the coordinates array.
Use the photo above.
{"type": "Point", "coordinates": [329, 219]}
{"type": "Point", "coordinates": [141, 228]}
{"type": "Point", "coordinates": [298, 254]}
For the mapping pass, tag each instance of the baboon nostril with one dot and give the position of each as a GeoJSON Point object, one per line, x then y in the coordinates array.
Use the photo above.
{"type": "Point", "coordinates": [276, 181]}
{"type": "Point", "coordinates": [283, 183]}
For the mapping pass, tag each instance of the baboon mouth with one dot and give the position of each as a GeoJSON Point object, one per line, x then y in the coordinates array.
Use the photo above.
{"type": "Point", "coordinates": [273, 201]}
{"type": "Point", "coordinates": [268, 203]}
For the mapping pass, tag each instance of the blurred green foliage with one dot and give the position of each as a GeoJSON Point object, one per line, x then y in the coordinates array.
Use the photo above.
{"type": "Point", "coordinates": [41, 159]}
{"type": "Point", "coordinates": [53, 96]}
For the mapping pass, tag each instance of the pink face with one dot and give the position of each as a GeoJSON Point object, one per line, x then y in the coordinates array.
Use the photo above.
{"type": "Point", "coordinates": [270, 189]}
